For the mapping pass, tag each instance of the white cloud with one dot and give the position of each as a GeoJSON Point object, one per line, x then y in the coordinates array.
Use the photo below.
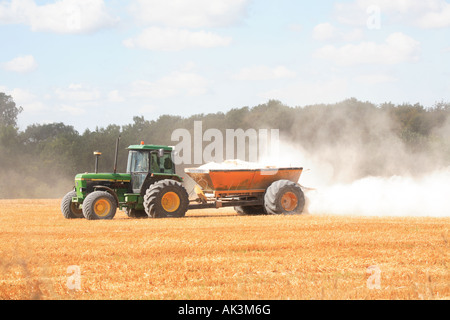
{"type": "Point", "coordinates": [22, 64]}
{"type": "Point", "coordinates": [29, 101]}
{"type": "Point", "coordinates": [148, 109]}
{"type": "Point", "coordinates": [175, 84]}
{"type": "Point", "coordinates": [423, 14]}
{"type": "Point", "coordinates": [264, 73]}
{"type": "Point", "coordinates": [169, 39]}
{"type": "Point", "coordinates": [64, 16]}
{"type": "Point", "coordinates": [397, 48]}
{"type": "Point", "coordinates": [189, 14]}
{"type": "Point", "coordinates": [324, 31]}
{"type": "Point", "coordinates": [436, 19]}
{"type": "Point", "coordinates": [309, 92]}
{"type": "Point", "coordinates": [375, 78]}
{"type": "Point", "coordinates": [21, 95]}
{"type": "Point", "coordinates": [115, 96]}
{"type": "Point", "coordinates": [352, 35]}
{"type": "Point", "coordinates": [73, 111]}
{"type": "Point", "coordinates": [77, 92]}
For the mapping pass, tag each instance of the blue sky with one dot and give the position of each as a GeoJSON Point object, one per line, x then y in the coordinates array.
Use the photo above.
{"type": "Point", "coordinates": [91, 63]}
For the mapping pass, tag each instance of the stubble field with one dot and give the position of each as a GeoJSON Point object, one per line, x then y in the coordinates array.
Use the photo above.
{"type": "Point", "coordinates": [215, 254]}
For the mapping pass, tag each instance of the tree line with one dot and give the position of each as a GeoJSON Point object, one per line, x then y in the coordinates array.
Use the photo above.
{"type": "Point", "coordinates": [353, 136]}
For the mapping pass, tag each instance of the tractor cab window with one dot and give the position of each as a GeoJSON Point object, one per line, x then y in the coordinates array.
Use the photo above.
{"type": "Point", "coordinates": [138, 162]}
{"type": "Point", "coordinates": [138, 166]}
{"type": "Point", "coordinates": [163, 164]}
{"type": "Point", "coordinates": [167, 163]}
{"type": "Point", "coordinates": [155, 162]}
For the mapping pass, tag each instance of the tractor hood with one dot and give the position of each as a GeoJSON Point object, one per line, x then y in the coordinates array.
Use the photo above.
{"type": "Point", "coordinates": [113, 177]}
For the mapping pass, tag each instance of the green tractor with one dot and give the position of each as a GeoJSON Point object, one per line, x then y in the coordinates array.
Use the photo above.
{"type": "Point", "coordinates": [149, 188]}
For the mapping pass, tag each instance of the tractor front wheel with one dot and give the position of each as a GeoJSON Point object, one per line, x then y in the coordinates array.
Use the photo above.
{"type": "Point", "coordinates": [99, 205]}
{"type": "Point", "coordinates": [70, 210]}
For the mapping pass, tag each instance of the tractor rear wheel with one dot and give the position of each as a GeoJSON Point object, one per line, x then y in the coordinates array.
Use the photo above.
{"type": "Point", "coordinates": [166, 198]}
{"type": "Point", "coordinates": [70, 210]}
{"type": "Point", "coordinates": [284, 197]}
{"type": "Point", "coordinates": [99, 205]}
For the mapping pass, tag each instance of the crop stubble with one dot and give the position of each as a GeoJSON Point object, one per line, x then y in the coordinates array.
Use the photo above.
{"type": "Point", "coordinates": [215, 254]}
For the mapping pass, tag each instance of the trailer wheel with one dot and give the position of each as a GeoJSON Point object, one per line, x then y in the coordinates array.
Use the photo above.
{"type": "Point", "coordinates": [249, 210]}
{"type": "Point", "coordinates": [99, 205]}
{"type": "Point", "coordinates": [136, 214]}
{"type": "Point", "coordinates": [166, 198]}
{"type": "Point", "coordinates": [284, 197]}
{"type": "Point", "coordinates": [69, 209]}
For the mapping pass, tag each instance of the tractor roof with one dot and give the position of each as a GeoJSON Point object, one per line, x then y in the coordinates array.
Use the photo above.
{"type": "Point", "coordinates": [149, 147]}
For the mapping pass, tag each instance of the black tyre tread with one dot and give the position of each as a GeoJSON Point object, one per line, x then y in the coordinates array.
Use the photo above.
{"type": "Point", "coordinates": [136, 214]}
{"type": "Point", "coordinates": [154, 194]}
{"type": "Point", "coordinates": [249, 210]}
{"type": "Point", "coordinates": [88, 211]}
{"type": "Point", "coordinates": [66, 207]}
{"type": "Point", "coordinates": [239, 210]}
{"type": "Point", "coordinates": [275, 191]}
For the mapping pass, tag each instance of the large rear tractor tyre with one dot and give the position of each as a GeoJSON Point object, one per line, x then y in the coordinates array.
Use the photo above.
{"type": "Point", "coordinates": [249, 210]}
{"type": "Point", "coordinates": [166, 199]}
{"type": "Point", "coordinates": [284, 197]}
{"type": "Point", "coordinates": [99, 205]}
{"type": "Point", "coordinates": [70, 210]}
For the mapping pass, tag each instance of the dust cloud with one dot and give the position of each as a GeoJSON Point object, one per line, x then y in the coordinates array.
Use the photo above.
{"type": "Point", "coordinates": [427, 196]}
{"type": "Point", "coordinates": [370, 179]}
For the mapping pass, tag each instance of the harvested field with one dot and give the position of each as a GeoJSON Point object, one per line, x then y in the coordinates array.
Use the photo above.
{"type": "Point", "coordinates": [212, 254]}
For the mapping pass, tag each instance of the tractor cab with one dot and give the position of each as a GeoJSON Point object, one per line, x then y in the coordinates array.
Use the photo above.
{"type": "Point", "coordinates": [146, 163]}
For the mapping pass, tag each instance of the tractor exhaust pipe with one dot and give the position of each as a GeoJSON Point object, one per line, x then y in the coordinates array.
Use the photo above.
{"type": "Point", "coordinates": [117, 155]}
{"type": "Point", "coordinates": [97, 155]}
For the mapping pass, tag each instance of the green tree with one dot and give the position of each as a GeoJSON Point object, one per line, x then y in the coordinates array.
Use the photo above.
{"type": "Point", "coordinates": [8, 111]}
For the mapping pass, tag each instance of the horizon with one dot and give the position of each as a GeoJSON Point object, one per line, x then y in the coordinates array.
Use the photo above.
{"type": "Point", "coordinates": [194, 116]}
